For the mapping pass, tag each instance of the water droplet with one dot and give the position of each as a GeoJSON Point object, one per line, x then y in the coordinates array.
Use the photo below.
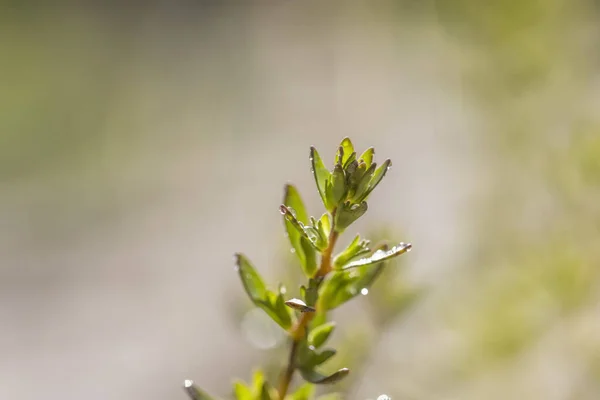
{"type": "Point", "coordinates": [282, 290]}
{"type": "Point", "coordinates": [364, 291]}
{"type": "Point", "coordinates": [292, 250]}
{"type": "Point", "coordinates": [188, 383]}
{"type": "Point", "coordinates": [384, 397]}
{"type": "Point", "coordinates": [283, 210]}
{"type": "Point", "coordinates": [312, 171]}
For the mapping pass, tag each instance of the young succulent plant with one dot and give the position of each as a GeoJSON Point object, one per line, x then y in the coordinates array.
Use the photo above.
{"type": "Point", "coordinates": [332, 279]}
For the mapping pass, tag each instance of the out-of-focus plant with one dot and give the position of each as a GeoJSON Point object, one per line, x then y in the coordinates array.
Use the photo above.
{"type": "Point", "coordinates": [332, 279]}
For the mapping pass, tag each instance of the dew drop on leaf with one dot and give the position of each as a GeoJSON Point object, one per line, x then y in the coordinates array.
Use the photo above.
{"type": "Point", "coordinates": [364, 291]}
{"type": "Point", "coordinates": [188, 383]}
{"type": "Point", "coordinates": [292, 250]}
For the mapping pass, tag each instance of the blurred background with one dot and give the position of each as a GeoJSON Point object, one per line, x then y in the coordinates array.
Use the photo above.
{"type": "Point", "coordinates": [141, 145]}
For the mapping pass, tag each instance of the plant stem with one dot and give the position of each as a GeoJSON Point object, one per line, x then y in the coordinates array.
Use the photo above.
{"type": "Point", "coordinates": [298, 331]}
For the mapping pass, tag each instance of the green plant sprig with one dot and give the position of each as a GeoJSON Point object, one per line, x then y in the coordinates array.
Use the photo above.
{"type": "Point", "coordinates": [332, 279]}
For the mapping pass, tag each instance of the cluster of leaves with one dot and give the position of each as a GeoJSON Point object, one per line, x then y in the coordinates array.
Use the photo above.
{"type": "Point", "coordinates": [332, 279]}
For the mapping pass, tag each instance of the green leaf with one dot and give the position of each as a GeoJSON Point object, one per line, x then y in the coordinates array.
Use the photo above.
{"type": "Point", "coordinates": [322, 357]}
{"type": "Point", "coordinates": [355, 248]}
{"type": "Point", "coordinates": [362, 182]}
{"type": "Point", "coordinates": [304, 392]}
{"type": "Point", "coordinates": [348, 213]}
{"type": "Point", "coordinates": [274, 306]}
{"type": "Point", "coordinates": [272, 303]}
{"type": "Point", "coordinates": [345, 151]}
{"type": "Point", "coordinates": [324, 225]}
{"type": "Point", "coordinates": [380, 255]}
{"type": "Point", "coordinates": [295, 205]}
{"type": "Point", "coordinates": [288, 215]}
{"type": "Point", "coordinates": [354, 175]}
{"type": "Point", "coordinates": [367, 156]}
{"type": "Point", "coordinates": [319, 335]}
{"type": "Point", "coordinates": [309, 357]}
{"type": "Point", "coordinates": [267, 392]}
{"type": "Point", "coordinates": [310, 262]}
{"type": "Point", "coordinates": [194, 392]}
{"type": "Point", "coordinates": [310, 294]}
{"type": "Point", "coordinates": [315, 377]}
{"type": "Point", "coordinates": [330, 203]}
{"type": "Point", "coordinates": [338, 185]}
{"type": "Point", "coordinates": [241, 391]}
{"type": "Point", "coordinates": [351, 160]}
{"type": "Point", "coordinates": [253, 283]}
{"type": "Point", "coordinates": [320, 172]}
{"type": "Point", "coordinates": [343, 285]}
{"type": "Point", "coordinates": [318, 240]}
{"type": "Point", "coordinates": [292, 198]}
{"type": "Point", "coordinates": [375, 179]}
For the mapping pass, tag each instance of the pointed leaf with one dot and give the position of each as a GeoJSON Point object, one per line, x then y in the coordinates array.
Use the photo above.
{"type": "Point", "coordinates": [377, 177]}
{"type": "Point", "coordinates": [319, 335]}
{"type": "Point", "coordinates": [355, 248]}
{"type": "Point", "coordinates": [325, 223]}
{"type": "Point", "coordinates": [380, 255]}
{"type": "Point", "coordinates": [309, 357]}
{"type": "Point", "coordinates": [293, 199]}
{"type": "Point", "coordinates": [343, 285]}
{"type": "Point", "coordinates": [304, 392]}
{"type": "Point", "coordinates": [194, 392]}
{"type": "Point", "coordinates": [310, 262]}
{"type": "Point", "coordinates": [367, 156]}
{"type": "Point", "coordinates": [348, 213]}
{"type": "Point", "coordinates": [350, 167]}
{"type": "Point", "coordinates": [315, 377]}
{"type": "Point", "coordinates": [354, 175]}
{"type": "Point", "coordinates": [258, 379]}
{"type": "Point", "coordinates": [363, 184]}
{"type": "Point", "coordinates": [253, 283]}
{"type": "Point", "coordinates": [320, 172]}
{"type": "Point", "coordinates": [274, 306]}
{"type": "Point", "coordinates": [330, 203]}
{"type": "Point", "coordinates": [351, 160]}
{"type": "Point", "coordinates": [322, 357]}
{"type": "Point", "coordinates": [347, 150]}
{"type": "Point", "coordinates": [288, 215]}
{"type": "Point", "coordinates": [241, 391]}
{"type": "Point", "coordinates": [267, 392]}
{"type": "Point", "coordinates": [338, 184]}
